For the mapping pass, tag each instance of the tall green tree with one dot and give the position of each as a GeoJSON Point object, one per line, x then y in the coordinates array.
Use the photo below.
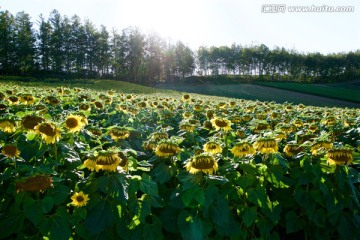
{"type": "Point", "coordinates": [7, 43]}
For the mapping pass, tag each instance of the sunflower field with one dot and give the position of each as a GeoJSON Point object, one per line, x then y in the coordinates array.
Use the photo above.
{"type": "Point", "coordinates": [77, 163]}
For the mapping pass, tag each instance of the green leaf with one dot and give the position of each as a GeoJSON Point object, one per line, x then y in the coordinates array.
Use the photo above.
{"type": "Point", "coordinates": [33, 210]}
{"type": "Point", "coordinates": [58, 193]}
{"type": "Point", "coordinates": [57, 226]}
{"type": "Point", "coordinates": [190, 226]}
{"type": "Point", "coordinates": [164, 172]}
{"type": "Point", "coordinates": [47, 204]}
{"type": "Point", "coordinates": [249, 216]}
{"type": "Point", "coordinates": [31, 136]}
{"type": "Point", "coordinates": [154, 230]}
{"type": "Point", "coordinates": [148, 186]}
{"type": "Point", "coordinates": [145, 207]}
{"type": "Point", "coordinates": [11, 224]}
{"type": "Point", "coordinates": [292, 222]}
{"type": "Point", "coordinates": [114, 185]}
{"type": "Point", "coordinates": [258, 196]}
{"type": "Point", "coordinates": [100, 217]}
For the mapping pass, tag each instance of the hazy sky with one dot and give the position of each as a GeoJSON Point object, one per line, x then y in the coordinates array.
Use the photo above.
{"type": "Point", "coordinates": [216, 22]}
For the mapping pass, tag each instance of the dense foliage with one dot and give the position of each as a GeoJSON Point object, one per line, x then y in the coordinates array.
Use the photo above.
{"type": "Point", "coordinates": [84, 164]}
{"type": "Point", "coordinates": [66, 47]}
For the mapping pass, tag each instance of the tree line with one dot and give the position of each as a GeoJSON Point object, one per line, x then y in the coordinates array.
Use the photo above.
{"type": "Point", "coordinates": [64, 47]}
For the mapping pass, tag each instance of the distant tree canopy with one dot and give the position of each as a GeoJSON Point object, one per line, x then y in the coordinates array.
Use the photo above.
{"type": "Point", "coordinates": [64, 47]}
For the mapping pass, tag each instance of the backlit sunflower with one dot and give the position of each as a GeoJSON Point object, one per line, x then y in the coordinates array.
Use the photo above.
{"type": "Point", "coordinates": [240, 133]}
{"type": "Point", "coordinates": [74, 123]}
{"type": "Point", "coordinates": [242, 149]}
{"type": "Point", "coordinates": [266, 145]}
{"type": "Point", "coordinates": [7, 125]}
{"type": "Point", "coordinates": [204, 162]}
{"type": "Point", "coordinates": [167, 148]}
{"type": "Point", "coordinates": [339, 156]}
{"type": "Point", "coordinates": [221, 123]}
{"type": "Point", "coordinates": [159, 135]}
{"type": "Point", "coordinates": [29, 122]}
{"type": "Point", "coordinates": [79, 199]}
{"type": "Point", "coordinates": [212, 147]}
{"type": "Point", "coordinates": [10, 151]}
{"type": "Point", "coordinates": [98, 105]}
{"type": "Point", "coordinates": [49, 132]}
{"type": "Point", "coordinates": [117, 133]}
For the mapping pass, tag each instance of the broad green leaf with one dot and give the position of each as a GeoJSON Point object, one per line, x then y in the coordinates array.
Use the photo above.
{"type": "Point", "coordinates": [47, 204]}
{"type": "Point", "coordinates": [153, 230]}
{"type": "Point", "coordinates": [100, 217]}
{"type": "Point", "coordinates": [164, 172]}
{"type": "Point", "coordinates": [249, 215]}
{"type": "Point", "coordinates": [292, 222]}
{"type": "Point", "coordinates": [56, 226]}
{"type": "Point", "coordinates": [190, 226]}
{"type": "Point", "coordinates": [258, 196]}
{"type": "Point", "coordinates": [59, 193]}
{"type": "Point", "coordinates": [11, 224]}
{"type": "Point", "coordinates": [33, 210]}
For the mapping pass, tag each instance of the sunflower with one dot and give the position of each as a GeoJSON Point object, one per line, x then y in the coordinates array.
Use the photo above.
{"type": "Point", "coordinates": [242, 149]}
{"type": "Point", "coordinates": [29, 122]}
{"type": "Point", "coordinates": [95, 131]}
{"type": "Point", "coordinates": [313, 127]}
{"type": "Point", "coordinates": [159, 135]}
{"type": "Point", "coordinates": [10, 151]}
{"type": "Point", "coordinates": [266, 145]}
{"type": "Point", "coordinates": [27, 99]}
{"type": "Point", "coordinates": [240, 133]}
{"type": "Point", "coordinates": [221, 123]}
{"type": "Point", "coordinates": [186, 97]}
{"type": "Point", "coordinates": [204, 162]}
{"type": "Point", "coordinates": [13, 100]}
{"type": "Point", "coordinates": [292, 149]}
{"type": "Point", "coordinates": [339, 156]}
{"type": "Point", "coordinates": [52, 100]}
{"type": "Point", "coordinates": [74, 123]}
{"type": "Point", "coordinates": [79, 199]}
{"type": "Point", "coordinates": [106, 160]}
{"type": "Point", "coordinates": [261, 127]}
{"type": "Point", "coordinates": [34, 183]}
{"type": "Point", "coordinates": [167, 148]}
{"type": "Point", "coordinates": [187, 114]}
{"type": "Point", "coordinates": [49, 132]}
{"type": "Point", "coordinates": [98, 105]}
{"type": "Point", "coordinates": [320, 145]}
{"type": "Point", "coordinates": [212, 147]}
{"type": "Point", "coordinates": [198, 107]}
{"type": "Point", "coordinates": [188, 127]}
{"type": "Point", "coordinates": [7, 125]}
{"type": "Point", "coordinates": [85, 107]}
{"type": "Point", "coordinates": [117, 133]}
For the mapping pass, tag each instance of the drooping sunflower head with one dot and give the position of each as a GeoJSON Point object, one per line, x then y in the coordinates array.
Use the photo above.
{"type": "Point", "coordinates": [240, 133]}
{"type": "Point", "coordinates": [159, 135]}
{"type": "Point", "coordinates": [49, 132]}
{"type": "Point", "coordinates": [266, 145]}
{"type": "Point", "coordinates": [198, 107]}
{"type": "Point", "coordinates": [243, 148]}
{"type": "Point", "coordinates": [74, 123]}
{"type": "Point", "coordinates": [187, 126]}
{"type": "Point", "coordinates": [7, 125]}
{"type": "Point", "coordinates": [105, 160]}
{"type": "Point", "coordinates": [29, 122]}
{"type": "Point", "coordinates": [203, 162]}
{"type": "Point", "coordinates": [79, 199]}
{"type": "Point", "coordinates": [339, 156]}
{"type": "Point", "coordinates": [320, 146]}
{"type": "Point", "coordinates": [221, 123]}
{"type": "Point", "coordinates": [167, 148]}
{"type": "Point", "coordinates": [210, 114]}
{"type": "Point", "coordinates": [212, 147]}
{"type": "Point", "coordinates": [34, 183]}
{"type": "Point", "coordinates": [187, 114]}
{"type": "Point", "coordinates": [261, 126]}
{"type": "Point", "coordinates": [292, 149]}
{"type": "Point", "coordinates": [10, 151]}
{"type": "Point", "coordinates": [117, 133]}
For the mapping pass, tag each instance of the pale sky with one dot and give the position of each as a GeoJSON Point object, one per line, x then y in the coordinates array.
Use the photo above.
{"type": "Point", "coordinates": [216, 22]}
